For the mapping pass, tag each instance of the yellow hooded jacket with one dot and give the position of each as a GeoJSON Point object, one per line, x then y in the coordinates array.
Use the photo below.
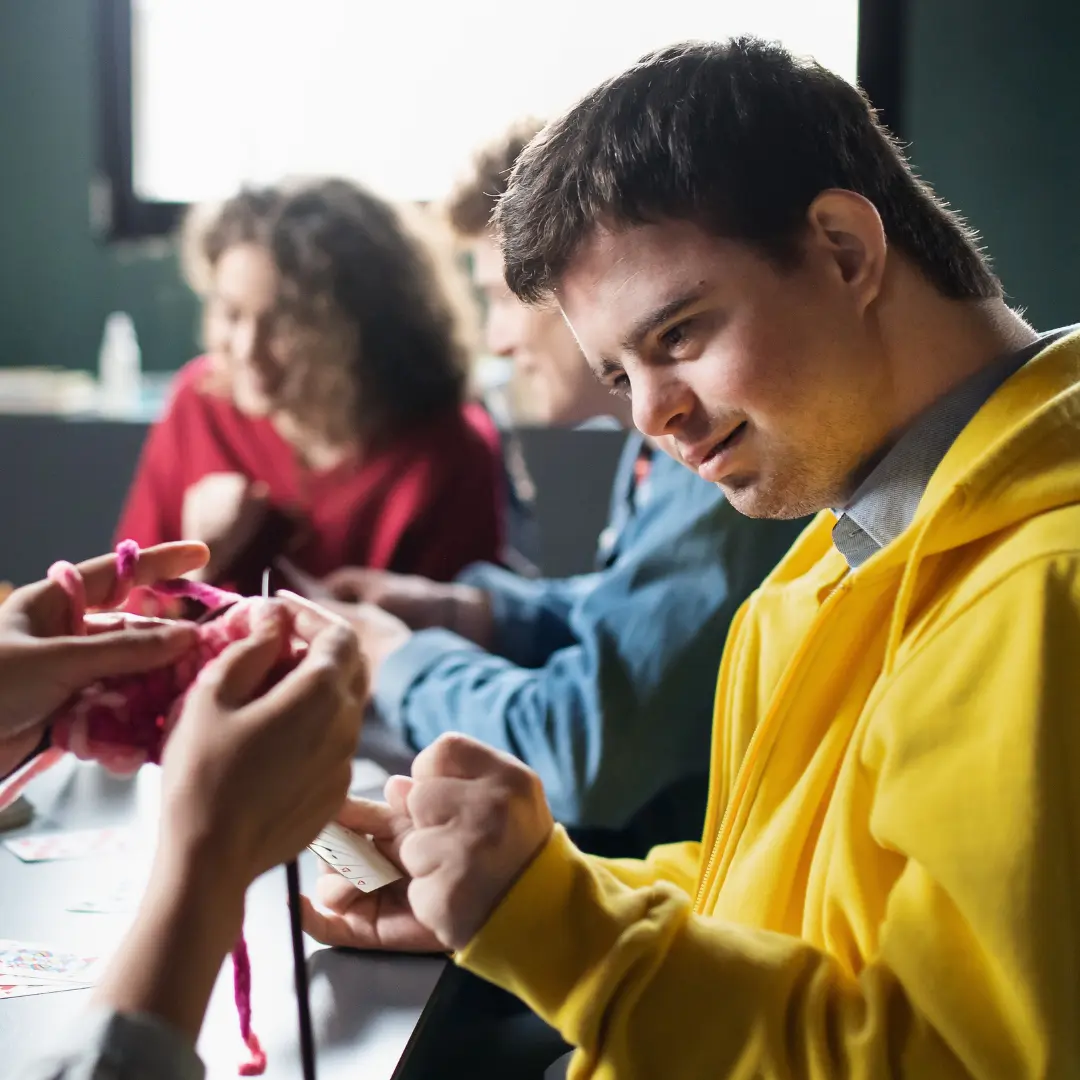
{"type": "Point", "coordinates": [887, 883]}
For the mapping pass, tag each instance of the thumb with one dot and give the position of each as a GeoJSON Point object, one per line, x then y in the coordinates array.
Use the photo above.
{"type": "Point", "coordinates": [397, 792]}
{"type": "Point", "coordinates": [371, 818]}
{"type": "Point", "coordinates": [79, 661]}
{"type": "Point", "coordinates": [238, 674]}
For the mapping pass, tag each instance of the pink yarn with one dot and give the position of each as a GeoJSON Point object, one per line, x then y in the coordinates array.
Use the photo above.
{"type": "Point", "coordinates": [242, 994]}
{"type": "Point", "coordinates": [123, 721]}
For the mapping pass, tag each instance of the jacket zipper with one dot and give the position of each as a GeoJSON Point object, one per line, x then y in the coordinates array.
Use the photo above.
{"type": "Point", "coordinates": [742, 780]}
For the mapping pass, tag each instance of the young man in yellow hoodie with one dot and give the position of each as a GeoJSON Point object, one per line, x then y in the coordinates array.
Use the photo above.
{"type": "Point", "coordinates": [885, 886]}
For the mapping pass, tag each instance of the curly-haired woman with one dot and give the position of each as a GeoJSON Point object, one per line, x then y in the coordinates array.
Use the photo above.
{"type": "Point", "coordinates": [327, 420]}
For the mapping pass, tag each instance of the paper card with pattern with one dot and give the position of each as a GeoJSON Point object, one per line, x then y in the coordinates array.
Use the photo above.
{"type": "Point", "coordinates": [22, 961]}
{"type": "Point", "coordinates": [355, 857]}
{"type": "Point", "coordinates": [80, 844]}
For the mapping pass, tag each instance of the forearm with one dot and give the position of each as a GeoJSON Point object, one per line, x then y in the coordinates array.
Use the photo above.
{"type": "Point", "coordinates": [167, 964]}
{"type": "Point", "coordinates": [527, 619]}
{"type": "Point", "coordinates": [647, 988]}
{"type": "Point", "coordinates": [544, 718]}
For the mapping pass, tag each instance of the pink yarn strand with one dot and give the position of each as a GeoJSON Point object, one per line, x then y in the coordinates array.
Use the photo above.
{"type": "Point", "coordinates": [127, 560]}
{"type": "Point", "coordinates": [256, 1064]}
{"type": "Point", "coordinates": [209, 595]}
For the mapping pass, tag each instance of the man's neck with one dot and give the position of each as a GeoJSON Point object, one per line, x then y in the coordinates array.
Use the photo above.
{"type": "Point", "coordinates": [932, 344]}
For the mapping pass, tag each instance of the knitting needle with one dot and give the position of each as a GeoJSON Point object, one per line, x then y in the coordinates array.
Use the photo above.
{"type": "Point", "coordinates": [300, 974]}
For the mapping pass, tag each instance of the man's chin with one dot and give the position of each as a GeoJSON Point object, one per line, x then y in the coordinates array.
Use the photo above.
{"type": "Point", "coordinates": [756, 500]}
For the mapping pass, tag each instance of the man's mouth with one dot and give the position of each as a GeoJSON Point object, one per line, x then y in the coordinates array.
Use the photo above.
{"type": "Point", "coordinates": [710, 463]}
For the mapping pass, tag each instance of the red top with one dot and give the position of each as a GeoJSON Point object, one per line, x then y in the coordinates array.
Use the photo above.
{"type": "Point", "coordinates": [430, 503]}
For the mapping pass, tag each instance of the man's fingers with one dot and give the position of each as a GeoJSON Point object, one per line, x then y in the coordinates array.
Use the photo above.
{"type": "Point", "coordinates": [437, 801]}
{"type": "Point", "coordinates": [370, 818]}
{"type": "Point", "coordinates": [336, 930]}
{"type": "Point", "coordinates": [459, 756]}
{"type": "Point", "coordinates": [237, 675]}
{"type": "Point", "coordinates": [397, 792]}
{"type": "Point", "coordinates": [83, 660]}
{"type": "Point", "coordinates": [155, 564]}
{"type": "Point", "coordinates": [426, 850]}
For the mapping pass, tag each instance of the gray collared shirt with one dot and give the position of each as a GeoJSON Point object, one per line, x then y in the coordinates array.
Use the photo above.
{"type": "Point", "coordinates": [884, 504]}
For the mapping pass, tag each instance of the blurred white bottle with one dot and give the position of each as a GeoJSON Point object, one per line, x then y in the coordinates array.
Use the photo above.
{"type": "Point", "coordinates": [119, 365]}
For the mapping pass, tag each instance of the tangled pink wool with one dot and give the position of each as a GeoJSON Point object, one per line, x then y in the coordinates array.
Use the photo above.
{"type": "Point", "coordinates": [123, 721]}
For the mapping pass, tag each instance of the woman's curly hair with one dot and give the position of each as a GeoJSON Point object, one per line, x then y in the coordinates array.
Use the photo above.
{"type": "Point", "coordinates": [371, 321]}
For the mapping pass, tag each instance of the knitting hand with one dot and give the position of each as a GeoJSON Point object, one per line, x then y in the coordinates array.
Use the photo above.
{"type": "Point", "coordinates": [417, 601]}
{"type": "Point", "coordinates": [224, 511]}
{"type": "Point", "coordinates": [250, 778]}
{"type": "Point", "coordinates": [463, 827]}
{"type": "Point", "coordinates": [42, 663]}
{"type": "Point", "coordinates": [378, 632]}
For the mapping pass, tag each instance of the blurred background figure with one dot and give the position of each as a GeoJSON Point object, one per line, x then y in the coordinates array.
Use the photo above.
{"type": "Point", "coordinates": [327, 420]}
{"type": "Point", "coordinates": [551, 384]}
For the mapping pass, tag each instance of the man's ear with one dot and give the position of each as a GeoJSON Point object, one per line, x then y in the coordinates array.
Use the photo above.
{"type": "Point", "coordinates": [847, 230]}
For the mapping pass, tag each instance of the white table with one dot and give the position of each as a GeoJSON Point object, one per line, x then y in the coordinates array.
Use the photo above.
{"type": "Point", "coordinates": [365, 1006]}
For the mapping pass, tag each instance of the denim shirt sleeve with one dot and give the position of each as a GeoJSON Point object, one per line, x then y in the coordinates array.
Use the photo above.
{"type": "Point", "coordinates": [530, 617]}
{"type": "Point", "coordinates": [107, 1045]}
{"type": "Point", "coordinates": [647, 636]}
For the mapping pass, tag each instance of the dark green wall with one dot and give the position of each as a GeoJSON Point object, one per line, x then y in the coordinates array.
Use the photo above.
{"type": "Point", "coordinates": [993, 112]}
{"type": "Point", "coordinates": [57, 283]}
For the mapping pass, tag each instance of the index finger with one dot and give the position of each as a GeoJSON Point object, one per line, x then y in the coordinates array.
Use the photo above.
{"type": "Point", "coordinates": [455, 755]}
{"type": "Point", "coordinates": [158, 563]}
{"type": "Point", "coordinates": [333, 653]}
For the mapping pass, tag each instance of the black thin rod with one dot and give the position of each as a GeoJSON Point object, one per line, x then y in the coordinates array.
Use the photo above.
{"type": "Point", "coordinates": [303, 1002]}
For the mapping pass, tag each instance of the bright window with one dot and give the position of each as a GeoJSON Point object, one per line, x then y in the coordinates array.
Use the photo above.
{"type": "Point", "coordinates": [397, 94]}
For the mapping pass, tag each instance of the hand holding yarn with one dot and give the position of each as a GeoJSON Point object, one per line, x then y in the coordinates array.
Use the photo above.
{"type": "Point", "coordinates": [45, 658]}
{"type": "Point", "coordinates": [256, 765]}
{"type": "Point", "coordinates": [266, 700]}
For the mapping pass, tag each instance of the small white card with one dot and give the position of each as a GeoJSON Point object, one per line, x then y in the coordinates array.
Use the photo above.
{"type": "Point", "coordinates": [355, 857]}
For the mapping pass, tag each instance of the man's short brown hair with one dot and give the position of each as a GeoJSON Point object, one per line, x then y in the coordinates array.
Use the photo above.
{"type": "Point", "coordinates": [739, 137]}
{"type": "Point", "coordinates": [473, 200]}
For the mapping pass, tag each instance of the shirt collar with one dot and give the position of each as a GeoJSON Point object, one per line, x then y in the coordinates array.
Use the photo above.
{"type": "Point", "coordinates": [884, 504]}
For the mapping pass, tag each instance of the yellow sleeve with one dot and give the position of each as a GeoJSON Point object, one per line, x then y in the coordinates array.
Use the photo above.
{"type": "Point", "coordinates": [679, 864]}
{"type": "Point", "coordinates": [973, 759]}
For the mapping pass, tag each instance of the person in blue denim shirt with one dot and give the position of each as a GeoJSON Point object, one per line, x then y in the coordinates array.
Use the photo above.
{"type": "Point", "coordinates": [602, 683]}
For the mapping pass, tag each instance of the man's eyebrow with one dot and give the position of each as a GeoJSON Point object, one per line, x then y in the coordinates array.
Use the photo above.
{"type": "Point", "coordinates": [608, 367]}
{"type": "Point", "coordinates": [648, 323]}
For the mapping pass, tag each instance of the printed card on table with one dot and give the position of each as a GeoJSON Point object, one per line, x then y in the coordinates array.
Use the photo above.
{"type": "Point", "coordinates": [355, 857]}
{"type": "Point", "coordinates": [23, 961]}
{"type": "Point", "coordinates": [80, 844]}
